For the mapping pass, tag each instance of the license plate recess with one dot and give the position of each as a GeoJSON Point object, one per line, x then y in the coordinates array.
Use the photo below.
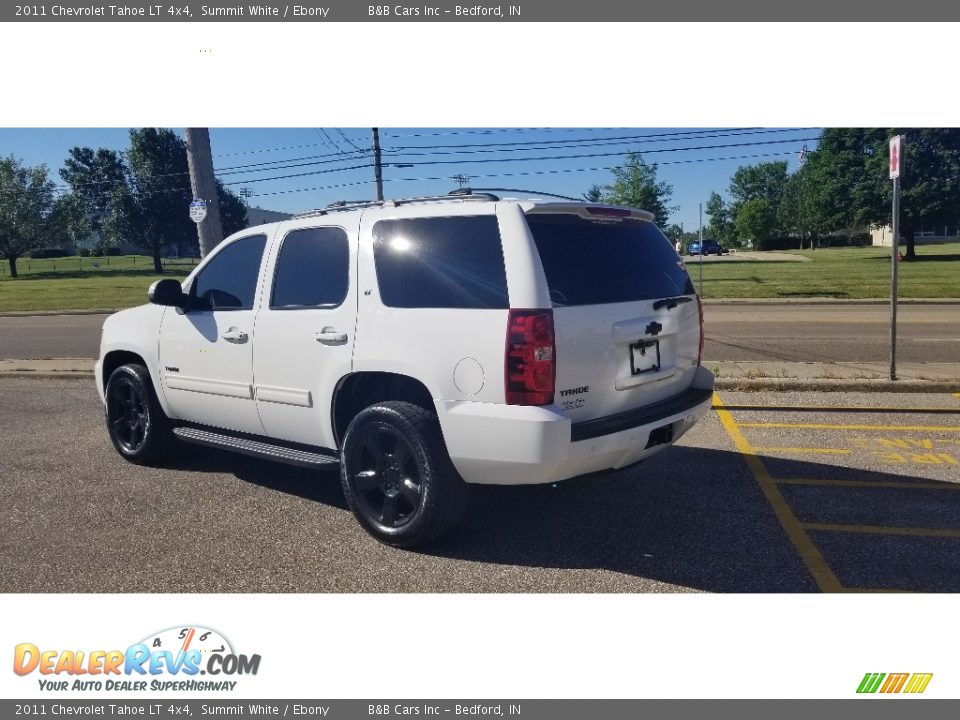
{"type": "Point", "coordinates": [644, 357]}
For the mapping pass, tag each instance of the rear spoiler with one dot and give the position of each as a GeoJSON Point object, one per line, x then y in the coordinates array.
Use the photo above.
{"type": "Point", "coordinates": [591, 211]}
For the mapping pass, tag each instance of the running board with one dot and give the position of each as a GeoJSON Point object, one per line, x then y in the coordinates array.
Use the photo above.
{"type": "Point", "coordinates": [256, 448]}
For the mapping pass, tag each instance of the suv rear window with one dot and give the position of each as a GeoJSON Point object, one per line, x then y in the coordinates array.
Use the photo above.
{"type": "Point", "coordinates": [440, 262]}
{"type": "Point", "coordinates": [594, 262]}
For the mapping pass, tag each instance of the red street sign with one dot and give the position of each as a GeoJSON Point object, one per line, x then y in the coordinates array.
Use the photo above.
{"type": "Point", "coordinates": [896, 156]}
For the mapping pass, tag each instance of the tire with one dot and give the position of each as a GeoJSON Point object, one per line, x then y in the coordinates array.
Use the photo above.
{"type": "Point", "coordinates": [137, 426]}
{"type": "Point", "coordinates": [397, 476]}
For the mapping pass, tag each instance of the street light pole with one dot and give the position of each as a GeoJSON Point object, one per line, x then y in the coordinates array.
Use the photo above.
{"type": "Point", "coordinates": [701, 249]}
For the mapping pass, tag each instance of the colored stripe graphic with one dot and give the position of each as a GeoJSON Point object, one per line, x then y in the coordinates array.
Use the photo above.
{"type": "Point", "coordinates": [918, 683]}
{"type": "Point", "coordinates": [870, 682]}
{"type": "Point", "coordinates": [895, 682]}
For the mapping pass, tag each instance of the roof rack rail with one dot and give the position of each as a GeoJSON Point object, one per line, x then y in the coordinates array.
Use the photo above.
{"type": "Point", "coordinates": [342, 205]}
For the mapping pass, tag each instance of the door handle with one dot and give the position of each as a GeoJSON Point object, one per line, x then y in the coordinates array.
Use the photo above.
{"type": "Point", "coordinates": [329, 336]}
{"type": "Point", "coordinates": [235, 335]}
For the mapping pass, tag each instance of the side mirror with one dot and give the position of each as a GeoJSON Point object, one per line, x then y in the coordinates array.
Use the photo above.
{"type": "Point", "coordinates": [167, 292]}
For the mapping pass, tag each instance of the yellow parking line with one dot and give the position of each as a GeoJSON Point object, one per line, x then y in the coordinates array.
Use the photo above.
{"type": "Point", "coordinates": [825, 451]}
{"type": "Point", "coordinates": [823, 426]}
{"type": "Point", "coordinates": [868, 484]}
{"type": "Point", "coordinates": [815, 562]}
{"type": "Point", "coordinates": [882, 530]}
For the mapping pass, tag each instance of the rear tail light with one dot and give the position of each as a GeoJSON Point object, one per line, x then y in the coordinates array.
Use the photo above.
{"type": "Point", "coordinates": [700, 310]}
{"type": "Point", "coordinates": [530, 359]}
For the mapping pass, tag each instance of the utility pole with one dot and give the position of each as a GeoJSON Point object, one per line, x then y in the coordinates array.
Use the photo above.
{"type": "Point", "coordinates": [377, 165]}
{"type": "Point", "coordinates": [204, 187]}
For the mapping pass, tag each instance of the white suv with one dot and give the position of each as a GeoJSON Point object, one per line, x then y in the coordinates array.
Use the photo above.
{"type": "Point", "coordinates": [420, 344]}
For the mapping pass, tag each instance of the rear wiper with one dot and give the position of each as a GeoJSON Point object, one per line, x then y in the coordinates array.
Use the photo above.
{"type": "Point", "coordinates": [671, 302]}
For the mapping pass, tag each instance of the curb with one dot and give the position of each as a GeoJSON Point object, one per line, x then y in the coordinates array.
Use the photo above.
{"type": "Point", "coordinates": [48, 374]}
{"type": "Point", "coordinates": [45, 313]}
{"type": "Point", "coordinates": [841, 385]}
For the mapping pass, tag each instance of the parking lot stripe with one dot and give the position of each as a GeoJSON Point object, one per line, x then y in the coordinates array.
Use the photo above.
{"type": "Point", "coordinates": [882, 530]}
{"type": "Point", "coordinates": [824, 426]}
{"type": "Point", "coordinates": [825, 451]}
{"type": "Point", "coordinates": [809, 554]}
{"type": "Point", "coordinates": [819, 482]}
{"type": "Point", "coordinates": [844, 409]}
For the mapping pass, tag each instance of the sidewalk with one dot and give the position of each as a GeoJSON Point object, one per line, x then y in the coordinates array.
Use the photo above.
{"type": "Point", "coordinates": [765, 375]}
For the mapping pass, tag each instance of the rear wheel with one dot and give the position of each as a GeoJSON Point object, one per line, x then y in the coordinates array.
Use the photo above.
{"type": "Point", "coordinates": [397, 476]}
{"type": "Point", "coordinates": [137, 425]}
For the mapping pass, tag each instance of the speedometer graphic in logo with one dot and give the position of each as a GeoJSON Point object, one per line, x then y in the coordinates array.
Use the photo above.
{"type": "Point", "coordinates": [183, 639]}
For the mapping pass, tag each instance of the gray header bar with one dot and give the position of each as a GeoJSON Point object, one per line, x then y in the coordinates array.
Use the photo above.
{"type": "Point", "coordinates": [510, 11]}
{"type": "Point", "coordinates": [161, 708]}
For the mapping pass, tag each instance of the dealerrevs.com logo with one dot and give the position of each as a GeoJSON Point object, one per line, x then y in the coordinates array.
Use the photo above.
{"type": "Point", "coordinates": [172, 659]}
{"type": "Point", "coordinates": [910, 683]}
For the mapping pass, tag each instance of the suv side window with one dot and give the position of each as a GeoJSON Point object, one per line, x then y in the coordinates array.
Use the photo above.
{"type": "Point", "coordinates": [312, 270]}
{"type": "Point", "coordinates": [229, 281]}
{"type": "Point", "coordinates": [440, 262]}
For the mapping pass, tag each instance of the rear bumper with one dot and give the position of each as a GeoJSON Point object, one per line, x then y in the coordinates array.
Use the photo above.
{"type": "Point", "coordinates": [513, 445]}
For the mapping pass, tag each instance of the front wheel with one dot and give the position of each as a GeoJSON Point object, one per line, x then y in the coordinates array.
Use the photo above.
{"type": "Point", "coordinates": [137, 425]}
{"type": "Point", "coordinates": [397, 476]}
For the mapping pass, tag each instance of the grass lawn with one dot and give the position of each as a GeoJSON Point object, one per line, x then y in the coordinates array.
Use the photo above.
{"type": "Point", "coordinates": [74, 283]}
{"type": "Point", "coordinates": [853, 273]}
{"type": "Point", "coordinates": [117, 282]}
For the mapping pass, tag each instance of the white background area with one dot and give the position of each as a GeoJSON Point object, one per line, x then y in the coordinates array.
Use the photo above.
{"type": "Point", "coordinates": [477, 75]}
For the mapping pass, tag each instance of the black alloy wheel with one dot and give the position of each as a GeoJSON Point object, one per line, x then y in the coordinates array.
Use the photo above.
{"type": "Point", "coordinates": [127, 414]}
{"type": "Point", "coordinates": [137, 425]}
{"type": "Point", "coordinates": [397, 476]}
{"type": "Point", "coordinates": [387, 480]}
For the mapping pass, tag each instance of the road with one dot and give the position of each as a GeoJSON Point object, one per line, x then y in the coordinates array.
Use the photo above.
{"type": "Point", "coordinates": [831, 333]}
{"type": "Point", "coordinates": [791, 333]}
{"type": "Point", "coordinates": [752, 499]}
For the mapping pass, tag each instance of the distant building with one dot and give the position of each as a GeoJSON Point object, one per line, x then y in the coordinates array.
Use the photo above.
{"type": "Point", "coordinates": [883, 236]}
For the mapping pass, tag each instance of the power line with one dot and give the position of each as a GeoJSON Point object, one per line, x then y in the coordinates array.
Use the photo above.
{"type": "Point", "coordinates": [581, 156]}
{"type": "Point", "coordinates": [558, 171]}
{"type": "Point", "coordinates": [661, 137]}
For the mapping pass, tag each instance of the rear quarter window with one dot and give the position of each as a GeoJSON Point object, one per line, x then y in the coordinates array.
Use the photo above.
{"type": "Point", "coordinates": [595, 262]}
{"type": "Point", "coordinates": [440, 262]}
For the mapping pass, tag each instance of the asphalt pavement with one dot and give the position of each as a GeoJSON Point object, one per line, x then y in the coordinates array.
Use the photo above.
{"type": "Point", "coordinates": [768, 494]}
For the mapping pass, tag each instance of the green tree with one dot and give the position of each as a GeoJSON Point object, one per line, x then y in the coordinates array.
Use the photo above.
{"type": "Point", "coordinates": [851, 188]}
{"type": "Point", "coordinates": [635, 184]}
{"type": "Point", "coordinates": [930, 182]}
{"type": "Point", "coordinates": [157, 209]}
{"type": "Point", "coordinates": [799, 212]}
{"type": "Point", "coordinates": [841, 193]}
{"type": "Point", "coordinates": [719, 225]}
{"type": "Point", "coordinates": [233, 211]}
{"type": "Point", "coordinates": [757, 221]}
{"type": "Point", "coordinates": [30, 214]}
{"type": "Point", "coordinates": [594, 194]}
{"type": "Point", "coordinates": [766, 182]}
{"type": "Point", "coordinates": [98, 181]}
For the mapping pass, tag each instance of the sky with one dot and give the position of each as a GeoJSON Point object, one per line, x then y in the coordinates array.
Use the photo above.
{"type": "Point", "coordinates": [298, 169]}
